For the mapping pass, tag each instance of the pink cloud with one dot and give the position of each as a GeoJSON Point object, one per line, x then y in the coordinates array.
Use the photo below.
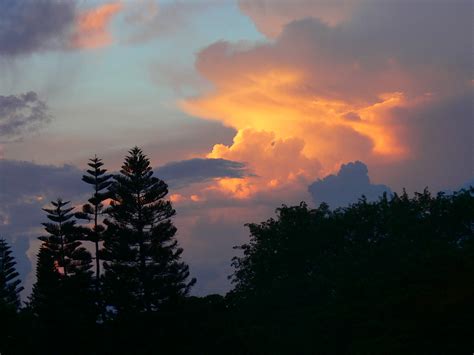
{"type": "Point", "coordinates": [91, 27]}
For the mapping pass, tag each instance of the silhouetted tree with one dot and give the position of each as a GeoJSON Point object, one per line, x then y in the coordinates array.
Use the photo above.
{"type": "Point", "coordinates": [92, 211]}
{"type": "Point", "coordinates": [10, 327]}
{"type": "Point", "coordinates": [9, 281]}
{"type": "Point", "coordinates": [63, 286]}
{"type": "Point", "coordinates": [393, 274]}
{"type": "Point", "coordinates": [142, 269]}
{"type": "Point", "coordinates": [46, 298]}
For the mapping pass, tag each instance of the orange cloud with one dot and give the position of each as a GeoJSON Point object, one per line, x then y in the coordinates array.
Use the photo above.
{"type": "Point", "coordinates": [331, 90]}
{"type": "Point", "coordinates": [91, 27]}
{"type": "Point", "coordinates": [312, 130]}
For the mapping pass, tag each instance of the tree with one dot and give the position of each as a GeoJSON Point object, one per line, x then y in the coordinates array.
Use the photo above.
{"type": "Point", "coordinates": [9, 282]}
{"type": "Point", "coordinates": [45, 299]}
{"type": "Point", "coordinates": [63, 240]}
{"type": "Point", "coordinates": [9, 301]}
{"type": "Point", "coordinates": [63, 286]}
{"type": "Point", "coordinates": [142, 258]}
{"type": "Point", "coordinates": [92, 211]}
{"type": "Point", "coordinates": [361, 279]}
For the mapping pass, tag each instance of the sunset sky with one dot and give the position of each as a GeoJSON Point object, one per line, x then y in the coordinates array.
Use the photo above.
{"type": "Point", "coordinates": [240, 105]}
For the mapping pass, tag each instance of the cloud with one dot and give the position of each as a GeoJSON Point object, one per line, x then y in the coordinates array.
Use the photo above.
{"type": "Point", "coordinates": [346, 187]}
{"type": "Point", "coordinates": [343, 90]}
{"type": "Point", "coordinates": [263, 152]}
{"type": "Point", "coordinates": [20, 114]}
{"type": "Point", "coordinates": [28, 27]}
{"type": "Point", "coordinates": [271, 16]}
{"type": "Point", "coordinates": [185, 172]}
{"type": "Point", "coordinates": [440, 135]}
{"type": "Point", "coordinates": [91, 28]}
{"type": "Point", "coordinates": [31, 26]}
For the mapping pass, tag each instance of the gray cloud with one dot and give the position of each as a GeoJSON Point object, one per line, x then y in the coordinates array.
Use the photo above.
{"type": "Point", "coordinates": [29, 26]}
{"type": "Point", "coordinates": [440, 137]}
{"type": "Point", "coordinates": [185, 172]}
{"type": "Point", "coordinates": [20, 114]}
{"type": "Point", "coordinates": [351, 182]}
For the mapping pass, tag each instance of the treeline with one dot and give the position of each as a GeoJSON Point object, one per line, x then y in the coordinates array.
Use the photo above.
{"type": "Point", "coordinates": [392, 276]}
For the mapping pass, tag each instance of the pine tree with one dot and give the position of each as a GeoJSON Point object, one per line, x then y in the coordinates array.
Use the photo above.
{"type": "Point", "coordinates": [9, 282]}
{"type": "Point", "coordinates": [93, 210]}
{"type": "Point", "coordinates": [45, 300]}
{"type": "Point", "coordinates": [142, 268]}
{"type": "Point", "coordinates": [63, 287]}
{"type": "Point", "coordinates": [63, 240]}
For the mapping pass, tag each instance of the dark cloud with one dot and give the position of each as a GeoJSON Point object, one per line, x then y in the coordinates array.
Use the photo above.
{"type": "Point", "coordinates": [20, 114]}
{"type": "Point", "coordinates": [185, 172]}
{"type": "Point", "coordinates": [440, 136]}
{"type": "Point", "coordinates": [28, 26]}
{"type": "Point", "coordinates": [351, 182]}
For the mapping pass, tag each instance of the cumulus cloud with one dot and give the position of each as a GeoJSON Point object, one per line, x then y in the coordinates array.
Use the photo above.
{"type": "Point", "coordinates": [346, 187]}
{"type": "Point", "coordinates": [263, 152]}
{"type": "Point", "coordinates": [20, 114]}
{"type": "Point", "coordinates": [344, 89]}
{"type": "Point", "coordinates": [185, 172]}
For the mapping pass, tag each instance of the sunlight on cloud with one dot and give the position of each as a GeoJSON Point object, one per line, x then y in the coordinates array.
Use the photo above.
{"type": "Point", "coordinates": [92, 26]}
{"type": "Point", "coordinates": [284, 131]}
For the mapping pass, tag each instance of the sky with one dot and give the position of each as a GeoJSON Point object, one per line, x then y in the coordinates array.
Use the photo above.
{"type": "Point", "coordinates": [241, 106]}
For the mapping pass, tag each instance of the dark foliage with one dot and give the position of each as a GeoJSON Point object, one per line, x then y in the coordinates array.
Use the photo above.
{"type": "Point", "coordinates": [9, 297]}
{"type": "Point", "coordinates": [62, 298]}
{"type": "Point", "coordinates": [94, 209]}
{"type": "Point", "coordinates": [391, 276]}
{"type": "Point", "coordinates": [143, 270]}
{"type": "Point", "coordinates": [9, 283]}
{"type": "Point", "coordinates": [92, 212]}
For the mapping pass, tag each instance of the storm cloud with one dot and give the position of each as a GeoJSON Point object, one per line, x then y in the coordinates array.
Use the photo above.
{"type": "Point", "coordinates": [185, 172]}
{"type": "Point", "coordinates": [347, 186]}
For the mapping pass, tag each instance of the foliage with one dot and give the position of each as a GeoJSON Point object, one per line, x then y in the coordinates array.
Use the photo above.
{"type": "Point", "coordinates": [142, 268]}
{"type": "Point", "coordinates": [394, 274]}
{"type": "Point", "coordinates": [391, 276]}
{"type": "Point", "coordinates": [94, 209]}
{"type": "Point", "coordinates": [9, 281]}
{"type": "Point", "coordinates": [63, 288]}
